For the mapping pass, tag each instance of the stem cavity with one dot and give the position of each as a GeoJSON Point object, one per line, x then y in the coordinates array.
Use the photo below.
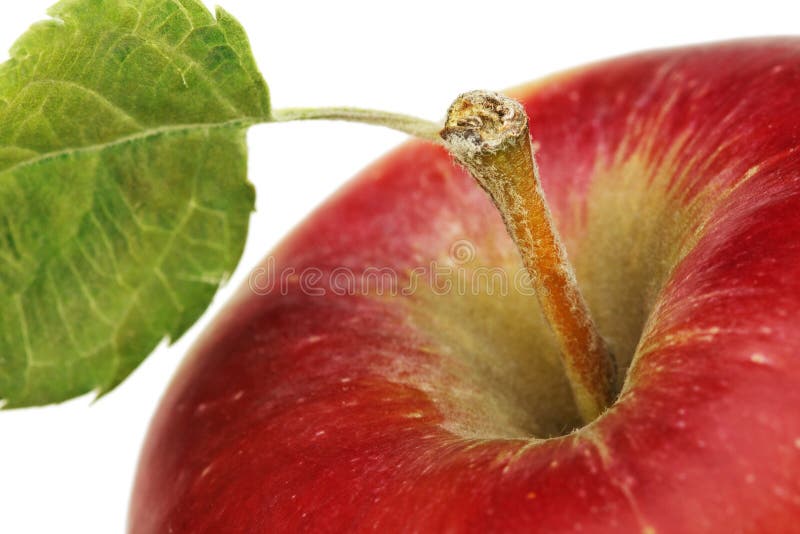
{"type": "Point", "coordinates": [488, 134]}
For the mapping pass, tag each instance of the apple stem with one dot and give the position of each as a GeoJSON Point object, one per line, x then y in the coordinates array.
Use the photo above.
{"type": "Point", "coordinates": [488, 133]}
{"type": "Point", "coordinates": [414, 126]}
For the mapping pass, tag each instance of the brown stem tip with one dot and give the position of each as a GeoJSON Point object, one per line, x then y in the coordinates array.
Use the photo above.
{"type": "Point", "coordinates": [488, 133]}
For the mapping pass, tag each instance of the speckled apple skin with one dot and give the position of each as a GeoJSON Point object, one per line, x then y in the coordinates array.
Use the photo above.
{"type": "Point", "coordinates": [302, 413]}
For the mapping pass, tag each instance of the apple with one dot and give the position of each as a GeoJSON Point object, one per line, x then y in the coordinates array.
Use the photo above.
{"type": "Point", "coordinates": [438, 402]}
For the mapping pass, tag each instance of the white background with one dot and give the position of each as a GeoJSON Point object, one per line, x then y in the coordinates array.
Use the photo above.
{"type": "Point", "coordinates": [69, 468]}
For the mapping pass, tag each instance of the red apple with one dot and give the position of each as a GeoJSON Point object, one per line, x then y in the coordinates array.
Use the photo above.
{"type": "Point", "coordinates": [674, 177]}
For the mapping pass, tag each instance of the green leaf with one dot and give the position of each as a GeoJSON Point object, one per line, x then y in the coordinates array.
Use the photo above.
{"type": "Point", "coordinates": [125, 201]}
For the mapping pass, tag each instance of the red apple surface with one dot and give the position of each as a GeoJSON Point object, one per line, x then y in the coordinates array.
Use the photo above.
{"type": "Point", "coordinates": [674, 177]}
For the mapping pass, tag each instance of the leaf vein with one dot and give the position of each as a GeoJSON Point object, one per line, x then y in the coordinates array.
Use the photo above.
{"type": "Point", "coordinates": [86, 292]}
{"type": "Point", "coordinates": [144, 135]}
{"type": "Point", "coordinates": [95, 94]}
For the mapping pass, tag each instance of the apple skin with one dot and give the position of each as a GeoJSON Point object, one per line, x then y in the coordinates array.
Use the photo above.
{"type": "Point", "coordinates": [352, 413]}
